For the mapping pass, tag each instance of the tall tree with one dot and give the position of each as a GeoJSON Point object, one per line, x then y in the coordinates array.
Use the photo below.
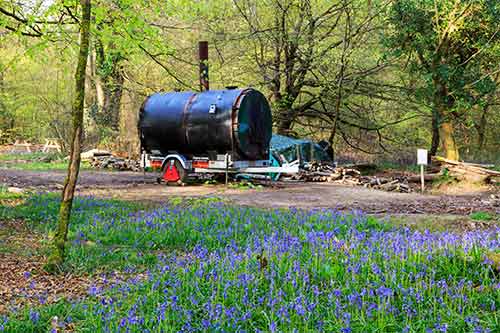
{"type": "Point", "coordinates": [57, 255]}
{"type": "Point", "coordinates": [452, 46]}
{"type": "Point", "coordinates": [289, 38]}
{"type": "Point", "coordinates": [317, 60]}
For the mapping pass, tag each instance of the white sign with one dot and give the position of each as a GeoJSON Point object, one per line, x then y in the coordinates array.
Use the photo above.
{"type": "Point", "coordinates": [422, 156]}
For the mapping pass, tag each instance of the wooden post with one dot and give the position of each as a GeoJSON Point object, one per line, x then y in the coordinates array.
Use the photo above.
{"type": "Point", "coordinates": [422, 178]}
{"type": "Point", "coordinates": [422, 159]}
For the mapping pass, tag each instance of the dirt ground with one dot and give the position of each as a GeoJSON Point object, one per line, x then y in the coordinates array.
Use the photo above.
{"type": "Point", "coordinates": [137, 187]}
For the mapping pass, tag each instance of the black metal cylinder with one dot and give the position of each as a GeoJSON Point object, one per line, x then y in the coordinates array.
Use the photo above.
{"type": "Point", "coordinates": [221, 121]}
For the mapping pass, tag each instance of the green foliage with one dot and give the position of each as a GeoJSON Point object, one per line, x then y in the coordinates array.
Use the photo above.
{"type": "Point", "coordinates": [444, 178]}
{"type": "Point", "coordinates": [153, 44]}
{"type": "Point", "coordinates": [481, 216]}
{"type": "Point", "coordinates": [450, 43]}
{"type": "Point", "coordinates": [244, 184]}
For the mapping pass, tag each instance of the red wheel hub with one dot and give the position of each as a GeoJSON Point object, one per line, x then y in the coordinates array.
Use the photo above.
{"type": "Point", "coordinates": [171, 174]}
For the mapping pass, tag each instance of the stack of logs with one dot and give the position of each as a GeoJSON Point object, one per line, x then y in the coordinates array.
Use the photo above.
{"type": "Point", "coordinates": [469, 172]}
{"type": "Point", "coordinates": [321, 172]}
{"type": "Point", "coordinates": [114, 163]}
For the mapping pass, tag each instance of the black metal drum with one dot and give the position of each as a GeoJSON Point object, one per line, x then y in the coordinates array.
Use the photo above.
{"type": "Point", "coordinates": [237, 121]}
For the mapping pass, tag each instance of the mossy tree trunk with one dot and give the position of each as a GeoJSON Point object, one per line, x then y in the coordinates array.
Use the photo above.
{"type": "Point", "coordinates": [443, 105]}
{"type": "Point", "coordinates": [58, 251]}
{"type": "Point", "coordinates": [448, 143]}
{"type": "Point", "coordinates": [109, 84]}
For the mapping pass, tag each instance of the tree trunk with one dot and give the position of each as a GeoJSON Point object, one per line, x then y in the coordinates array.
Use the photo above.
{"type": "Point", "coordinates": [100, 79]}
{"type": "Point", "coordinates": [114, 90]}
{"type": "Point", "coordinates": [109, 85]}
{"type": "Point", "coordinates": [99, 91]}
{"type": "Point", "coordinates": [285, 125]}
{"type": "Point", "coordinates": [448, 141]}
{"type": "Point", "coordinates": [57, 256]}
{"type": "Point", "coordinates": [1, 79]}
{"type": "Point", "coordinates": [443, 104]}
{"type": "Point", "coordinates": [481, 128]}
{"type": "Point", "coordinates": [435, 132]}
{"type": "Point", "coordinates": [109, 91]}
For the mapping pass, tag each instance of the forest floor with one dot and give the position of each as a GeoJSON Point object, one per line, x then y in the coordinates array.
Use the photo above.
{"type": "Point", "coordinates": [133, 186]}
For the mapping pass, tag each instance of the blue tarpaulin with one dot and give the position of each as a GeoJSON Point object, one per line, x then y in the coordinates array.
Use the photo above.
{"type": "Point", "coordinates": [289, 148]}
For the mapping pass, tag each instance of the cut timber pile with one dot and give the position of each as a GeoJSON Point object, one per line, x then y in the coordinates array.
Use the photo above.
{"type": "Point", "coordinates": [466, 171]}
{"type": "Point", "coordinates": [321, 172]}
{"type": "Point", "coordinates": [100, 159]}
{"type": "Point", "coordinates": [115, 163]}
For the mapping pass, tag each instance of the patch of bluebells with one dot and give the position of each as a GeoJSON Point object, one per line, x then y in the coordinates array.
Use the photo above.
{"type": "Point", "coordinates": [240, 269]}
{"type": "Point", "coordinates": [247, 269]}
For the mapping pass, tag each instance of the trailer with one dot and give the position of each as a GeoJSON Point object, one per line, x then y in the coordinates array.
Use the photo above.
{"type": "Point", "coordinates": [189, 134]}
{"type": "Point", "coordinates": [177, 169]}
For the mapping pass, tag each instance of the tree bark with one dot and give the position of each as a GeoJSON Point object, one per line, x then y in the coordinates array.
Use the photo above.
{"type": "Point", "coordinates": [448, 141]}
{"type": "Point", "coordinates": [435, 133]}
{"type": "Point", "coordinates": [114, 91]}
{"type": "Point", "coordinates": [481, 129]}
{"type": "Point", "coordinates": [109, 86]}
{"type": "Point", "coordinates": [285, 124]}
{"type": "Point", "coordinates": [443, 104]}
{"type": "Point", "coordinates": [56, 258]}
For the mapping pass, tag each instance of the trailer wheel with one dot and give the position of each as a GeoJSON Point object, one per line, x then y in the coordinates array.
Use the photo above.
{"type": "Point", "coordinates": [174, 172]}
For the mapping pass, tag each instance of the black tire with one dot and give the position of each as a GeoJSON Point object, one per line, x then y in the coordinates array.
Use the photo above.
{"type": "Point", "coordinates": [180, 169]}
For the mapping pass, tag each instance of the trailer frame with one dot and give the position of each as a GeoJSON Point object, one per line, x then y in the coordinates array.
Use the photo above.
{"type": "Point", "coordinates": [223, 163]}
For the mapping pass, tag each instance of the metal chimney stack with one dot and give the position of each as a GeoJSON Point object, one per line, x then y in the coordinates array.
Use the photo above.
{"type": "Point", "coordinates": [203, 57]}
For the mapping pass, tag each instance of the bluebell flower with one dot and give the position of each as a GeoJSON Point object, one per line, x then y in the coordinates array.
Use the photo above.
{"type": "Point", "coordinates": [34, 316]}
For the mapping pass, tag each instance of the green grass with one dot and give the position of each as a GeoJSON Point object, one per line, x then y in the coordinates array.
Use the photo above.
{"type": "Point", "coordinates": [481, 216]}
{"type": "Point", "coordinates": [5, 195]}
{"type": "Point", "coordinates": [42, 166]}
{"type": "Point", "coordinates": [37, 161]}
{"type": "Point", "coordinates": [22, 156]}
{"type": "Point", "coordinates": [441, 222]}
{"type": "Point", "coordinates": [104, 235]}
